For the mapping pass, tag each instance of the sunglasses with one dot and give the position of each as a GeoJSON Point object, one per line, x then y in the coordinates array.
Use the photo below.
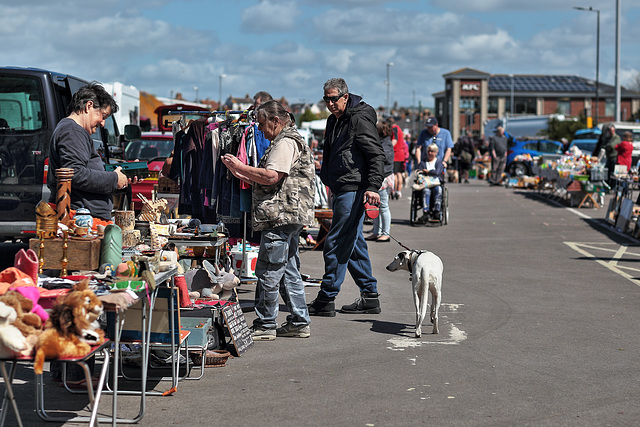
{"type": "Point", "coordinates": [333, 99]}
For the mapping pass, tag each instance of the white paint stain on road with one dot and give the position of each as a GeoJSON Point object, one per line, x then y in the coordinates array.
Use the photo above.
{"type": "Point", "coordinates": [455, 335]}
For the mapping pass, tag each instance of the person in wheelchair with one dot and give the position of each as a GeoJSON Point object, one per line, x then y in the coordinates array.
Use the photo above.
{"type": "Point", "coordinates": [432, 170]}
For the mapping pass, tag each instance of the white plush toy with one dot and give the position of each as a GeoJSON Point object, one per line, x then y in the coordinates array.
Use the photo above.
{"type": "Point", "coordinates": [219, 284]}
{"type": "Point", "coordinates": [12, 342]}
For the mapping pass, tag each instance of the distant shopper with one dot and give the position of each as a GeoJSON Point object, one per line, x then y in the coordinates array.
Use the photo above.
{"type": "Point", "coordinates": [498, 145]}
{"type": "Point", "coordinates": [261, 97]}
{"type": "Point", "coordinates": [608, 141]}
{"type": "Point", "coordinates": [625, 149]}
{"type": "Point", "coordinates": [465, 149]}
{"type": "Point", "coordinates": [434, 134]}
{"type": "Point", "coordinates": [382, 223]}
{"type": "Point", "coordinates": [400, 157]}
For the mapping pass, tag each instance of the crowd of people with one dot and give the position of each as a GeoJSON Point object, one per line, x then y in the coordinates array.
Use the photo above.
{"type": "Point", "coordinates": [366, 161]}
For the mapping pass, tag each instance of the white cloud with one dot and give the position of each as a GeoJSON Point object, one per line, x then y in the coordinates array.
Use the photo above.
{"type": "Point", "coordinates": [270, 16]}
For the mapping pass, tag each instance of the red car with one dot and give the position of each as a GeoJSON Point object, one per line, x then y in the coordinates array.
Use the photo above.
{"type": "Point", "coordinates": [154, 148]}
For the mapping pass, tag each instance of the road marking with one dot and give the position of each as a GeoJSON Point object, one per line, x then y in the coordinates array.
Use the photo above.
{"type": "Point", "coordinates": [613, 262]}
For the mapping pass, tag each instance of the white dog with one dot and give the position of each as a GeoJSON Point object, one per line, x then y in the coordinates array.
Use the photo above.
{"type": "Point", "coordinates": [426, 275]}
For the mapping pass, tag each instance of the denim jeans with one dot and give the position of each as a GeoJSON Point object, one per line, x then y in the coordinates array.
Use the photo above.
{"type": "Point", "coordinates": [345, 247]}
{"type": "Point", "coordinates": [278, 271]}
{"type": "Point", "coordinates": [382, 223]}
{"type": "Point", "coordinates": [436, 193]}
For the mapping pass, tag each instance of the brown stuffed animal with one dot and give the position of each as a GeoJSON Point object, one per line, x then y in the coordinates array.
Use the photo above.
{"type": "Point", "coordinates": [28, 323]}
{"type": "Point", "coordinates": [72, 327]}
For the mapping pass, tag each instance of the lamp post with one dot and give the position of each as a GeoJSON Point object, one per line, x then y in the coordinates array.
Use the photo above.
{"type": "Point", "coordinates": [389, 64]}
{"type": "Point", "coordinates": [617, 101]}
{"type": "Point", "coordinates": [590, 9]}
{"type": "Point", "coordinates": [511, 104]}
{"type": "Point", "coordinates": [222, 76]}
{"type": "Point", "coordinates": [196, 89]}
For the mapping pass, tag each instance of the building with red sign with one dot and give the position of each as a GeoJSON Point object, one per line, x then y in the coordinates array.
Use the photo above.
{"type": "Point", "coordinates": [472, 97]}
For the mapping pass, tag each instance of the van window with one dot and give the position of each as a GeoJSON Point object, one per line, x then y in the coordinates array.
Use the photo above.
{"type": "Point", "coordinates": [636, 133]}
{"type": "Point", "coordinates": [21, 104]}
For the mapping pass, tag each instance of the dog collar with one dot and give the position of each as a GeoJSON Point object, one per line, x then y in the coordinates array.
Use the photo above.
{"type": "Point", "coordinates": [414, 256]}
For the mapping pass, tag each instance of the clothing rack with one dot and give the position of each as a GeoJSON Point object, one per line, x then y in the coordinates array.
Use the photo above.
{"type": "Point", "coordinates": [244, 214]}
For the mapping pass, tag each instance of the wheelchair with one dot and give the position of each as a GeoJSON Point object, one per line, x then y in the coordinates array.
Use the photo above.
{"type": "Point", "coordinates": [417, 202]}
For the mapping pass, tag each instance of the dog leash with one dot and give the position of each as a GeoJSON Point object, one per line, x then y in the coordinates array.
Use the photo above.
{"type": "Point", "coordinates": [400, 243]}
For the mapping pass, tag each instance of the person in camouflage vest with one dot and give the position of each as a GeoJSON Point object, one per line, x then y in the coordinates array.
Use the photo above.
{"type": "Point", "coordinates": [283, 191]}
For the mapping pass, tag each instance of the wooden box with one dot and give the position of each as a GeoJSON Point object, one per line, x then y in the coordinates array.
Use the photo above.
{"type": "Point", "coordinates": [81, 254]}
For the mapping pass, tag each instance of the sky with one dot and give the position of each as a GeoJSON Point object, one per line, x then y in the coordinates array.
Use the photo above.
{"type": "Point", "coordinates": [291, 47]}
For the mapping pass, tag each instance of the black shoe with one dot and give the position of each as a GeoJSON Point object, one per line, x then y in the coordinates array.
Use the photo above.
{"type": "Point", "coordinates": [424, 218]}
{"type": "Point", "coordinates": [368, 303]}
{"type": "Point", "coordinates": [320, 307]}
{"type": "Point", "coordinates": [435, 216]}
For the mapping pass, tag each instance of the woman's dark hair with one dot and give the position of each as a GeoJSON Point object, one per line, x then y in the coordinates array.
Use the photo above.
{"type": "Point", "coordinates": [384, 129]}
{"type": "Point", "coordinates": [94, 92]}
{"type": "Point", "coordinates": [271, 109]}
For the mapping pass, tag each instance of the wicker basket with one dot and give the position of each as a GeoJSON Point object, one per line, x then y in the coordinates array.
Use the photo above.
{"type": "Point", "coordinates": [216, 358]}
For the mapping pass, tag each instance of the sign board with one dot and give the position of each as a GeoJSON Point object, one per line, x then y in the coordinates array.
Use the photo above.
{"type": "Point", "coordinates": [238, 328]}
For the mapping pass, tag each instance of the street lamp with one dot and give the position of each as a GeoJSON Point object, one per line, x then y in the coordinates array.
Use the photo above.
{"type": "Point", "coordinates": [196, 89]}
{"type": "Point", "coordinates": [590, 9]}
{"type": "Point", "coordinates": [222, 76]}
{"type": "Point", "coordinates": [389, 64]}
{"type": "Point", "coordinates": [511, 105]}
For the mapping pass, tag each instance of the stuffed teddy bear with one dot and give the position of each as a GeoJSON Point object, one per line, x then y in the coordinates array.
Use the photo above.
{"type": "Point", "coordinates": [72, 328]}
{"type": "Point", "coordinates": [28, 323]}
{"type": "Point", "coordinates": [12, 342]}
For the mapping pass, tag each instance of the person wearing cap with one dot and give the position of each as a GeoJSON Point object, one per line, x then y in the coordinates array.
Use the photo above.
{"type": "Point", "coordinates": [434, 134]}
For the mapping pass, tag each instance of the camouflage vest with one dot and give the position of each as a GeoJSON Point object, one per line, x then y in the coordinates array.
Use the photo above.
{"type": "Point", "coordinates": [290, 201]}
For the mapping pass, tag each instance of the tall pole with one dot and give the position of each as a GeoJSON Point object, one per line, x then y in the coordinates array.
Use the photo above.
{"type": "Point", "coordinates": [617, 101]}
{"type": "Point", "coordinates": [597, 107]}
{"type": "Point", "coordinates": [389, 64]}
{"type": "Point", "coordinates": [597, 71]}
{"type": "Point", "coordinates": [220, 93]}
{"type": "Point", "coordinates": [511, 106]}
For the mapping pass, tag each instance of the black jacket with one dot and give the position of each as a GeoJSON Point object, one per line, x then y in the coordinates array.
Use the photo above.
{"type": "Point", "coordinates": [353, 157]}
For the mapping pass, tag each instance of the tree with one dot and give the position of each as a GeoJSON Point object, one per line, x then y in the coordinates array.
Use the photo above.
{"type": "Point", "coordinates": [634, 82]}
{"type": "Point", "coordinates": [307, 116]}
{"type": "Point", "coordinates": [559, 129]}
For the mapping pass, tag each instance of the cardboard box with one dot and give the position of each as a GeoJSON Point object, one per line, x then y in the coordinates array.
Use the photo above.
{"type": "Point", "coordinates": [160, 320]}
{"type": "Point", "coordinates": [81, 254]}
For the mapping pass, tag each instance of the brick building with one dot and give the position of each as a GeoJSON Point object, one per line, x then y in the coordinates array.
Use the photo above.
{"type": "Point", "coordinates": [472, 97]}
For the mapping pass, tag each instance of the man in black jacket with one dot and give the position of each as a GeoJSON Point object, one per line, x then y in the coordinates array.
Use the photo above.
{"type": "Point", "coordinates": [353, 169]}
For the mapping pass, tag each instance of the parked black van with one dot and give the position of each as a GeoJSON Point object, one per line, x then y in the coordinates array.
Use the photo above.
{"type": "Point", "coordinates": [32, 102]}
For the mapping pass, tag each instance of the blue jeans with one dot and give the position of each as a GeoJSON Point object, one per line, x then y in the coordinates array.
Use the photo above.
{"type": "Point", "coordinates": [278, 271]}
{"type": "Point", "coordinates": [436, 193]}
{"type": "Point", "coordinates": [382, 223]}
{"type": "Point", "coordinates": [345, 247]}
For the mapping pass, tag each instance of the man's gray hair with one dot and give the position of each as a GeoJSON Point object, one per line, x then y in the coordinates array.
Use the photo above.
{"type": "Point", "coordinates": [262, 96]}
{"type": "Point", "coordinates": [339, 84]}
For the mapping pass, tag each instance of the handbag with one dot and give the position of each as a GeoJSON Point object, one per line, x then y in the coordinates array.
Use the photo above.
{"type": "Point", "coordinates": [466, 156]}
{"type": "Point", "coordinates": [432, 181]}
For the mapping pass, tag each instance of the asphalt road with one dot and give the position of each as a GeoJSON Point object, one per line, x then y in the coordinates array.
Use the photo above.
{"type": "Point", "coordinates": [539, 326]}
